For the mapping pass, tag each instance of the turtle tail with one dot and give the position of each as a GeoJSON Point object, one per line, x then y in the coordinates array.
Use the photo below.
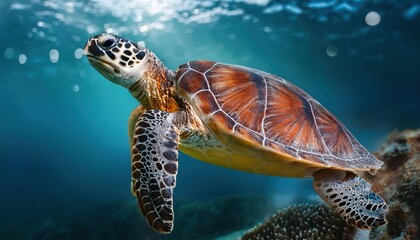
{"type": "Point", "coordinates": [351, 197]}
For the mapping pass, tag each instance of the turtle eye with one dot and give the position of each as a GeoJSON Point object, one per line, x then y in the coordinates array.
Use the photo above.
{"type": "Point", "coordinates": [107, 41]}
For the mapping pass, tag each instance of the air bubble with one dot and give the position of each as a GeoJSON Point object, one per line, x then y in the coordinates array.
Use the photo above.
{"type": "Point", "coordinates": [9, 53]}
{"type": "Point", "coordinates": [332, 51]}
{"type": "Point", "coordinates": [109, 30]}
{"type": "Point", "coordinates": [54, 55]}
{"type": "Point", "coordinates": [144, 28]}
{"type": "Point", "coordinates": [76, 88]}
{"type": "Point", "coordinates": [267, 29]}
{"type": "Point", "coordinates": [141, 43]}
{"type": "Point", "coordinates": [372, 18]}
{"type": "Point", "coordinates": [22, 58]}
{"type": "Point", "coordinates": [90, 29]}
{"type": "Point", "coordinates": [78, 53]}
{"type": "Point", "coordinates": [40, 24]}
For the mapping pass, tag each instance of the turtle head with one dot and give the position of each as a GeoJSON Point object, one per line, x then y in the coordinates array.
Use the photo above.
{"type": "Point", "coordinates": [134, 67]}
{"type": "Point", "coordinates": [121, 61]}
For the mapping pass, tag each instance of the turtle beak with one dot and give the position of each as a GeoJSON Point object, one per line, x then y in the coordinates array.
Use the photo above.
{"type": "Point", "coordinates": [92, 49]}
{"type": "Point", "coordinates": [85, 48]}
{"type": "Point", "coordinates": [98, 59]}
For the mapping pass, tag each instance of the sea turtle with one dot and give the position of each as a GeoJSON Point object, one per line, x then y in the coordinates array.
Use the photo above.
{"type": "Point", "coordinates": [236, 117]}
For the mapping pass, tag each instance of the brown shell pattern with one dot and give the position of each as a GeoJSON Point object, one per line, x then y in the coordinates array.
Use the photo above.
{"type": "Point", "coordinates": [271, 112]}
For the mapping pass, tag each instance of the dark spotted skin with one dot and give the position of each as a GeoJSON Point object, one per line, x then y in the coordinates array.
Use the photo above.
{"type": "Point", "coordinates": [140, 55]}
{"type": "Point", "coordinates": [110, 54]}
{"type": "Point", "coordinates": [95, 50]}
{"type": "Point", "coordinates": [351, 197]}
{"type": "Point", "coordinates": [154, 165]}
{"type": "Point", "coordinates": [124, 52]}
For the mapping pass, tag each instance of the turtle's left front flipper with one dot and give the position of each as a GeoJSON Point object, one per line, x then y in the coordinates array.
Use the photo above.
{"type": "Point", "coordinates": [154, 165]}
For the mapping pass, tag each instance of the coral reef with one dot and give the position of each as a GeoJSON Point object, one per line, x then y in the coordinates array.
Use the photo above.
{"type": "Point", "coordinates": [302, 221]}
{"type": "Point", "coordinates": [398, 181]}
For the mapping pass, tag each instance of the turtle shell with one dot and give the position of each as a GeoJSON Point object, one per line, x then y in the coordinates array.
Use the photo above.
{"type": "Point", "coordinates": [271, 113]}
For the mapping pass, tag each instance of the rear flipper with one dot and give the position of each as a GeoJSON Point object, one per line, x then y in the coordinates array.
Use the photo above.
{"type": "Point", "coordinates": [351, 197]}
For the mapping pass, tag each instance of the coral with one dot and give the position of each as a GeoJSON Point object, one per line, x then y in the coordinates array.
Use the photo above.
{"type": "Point", "coordinates": [302, 221]}
{"type": "Point", "coordinates": [399, 183]}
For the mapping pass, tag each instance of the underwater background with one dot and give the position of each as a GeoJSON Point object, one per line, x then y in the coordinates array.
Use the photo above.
{"type": "Point", "coordinates": [64, 156]}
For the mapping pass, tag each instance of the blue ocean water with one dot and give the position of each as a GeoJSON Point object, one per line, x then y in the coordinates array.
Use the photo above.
{"type": "Point", "coordinates": [63, 127]}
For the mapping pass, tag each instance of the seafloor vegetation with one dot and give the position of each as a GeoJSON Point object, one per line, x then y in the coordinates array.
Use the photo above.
{"type": "Point", "coordinates": [398, 182]}
{"type": "Point", "coordinates": [123, 220]}
{"type": "Point", "coordinates": [303, 221]}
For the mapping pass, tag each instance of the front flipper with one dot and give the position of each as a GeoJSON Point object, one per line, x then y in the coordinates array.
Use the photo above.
{"type": "Point", "coordinates": [351, 197]}
{"type": "Point", "coordinates": [154, 165]}
{"type": "Point", "coordinates": [132, 121]}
